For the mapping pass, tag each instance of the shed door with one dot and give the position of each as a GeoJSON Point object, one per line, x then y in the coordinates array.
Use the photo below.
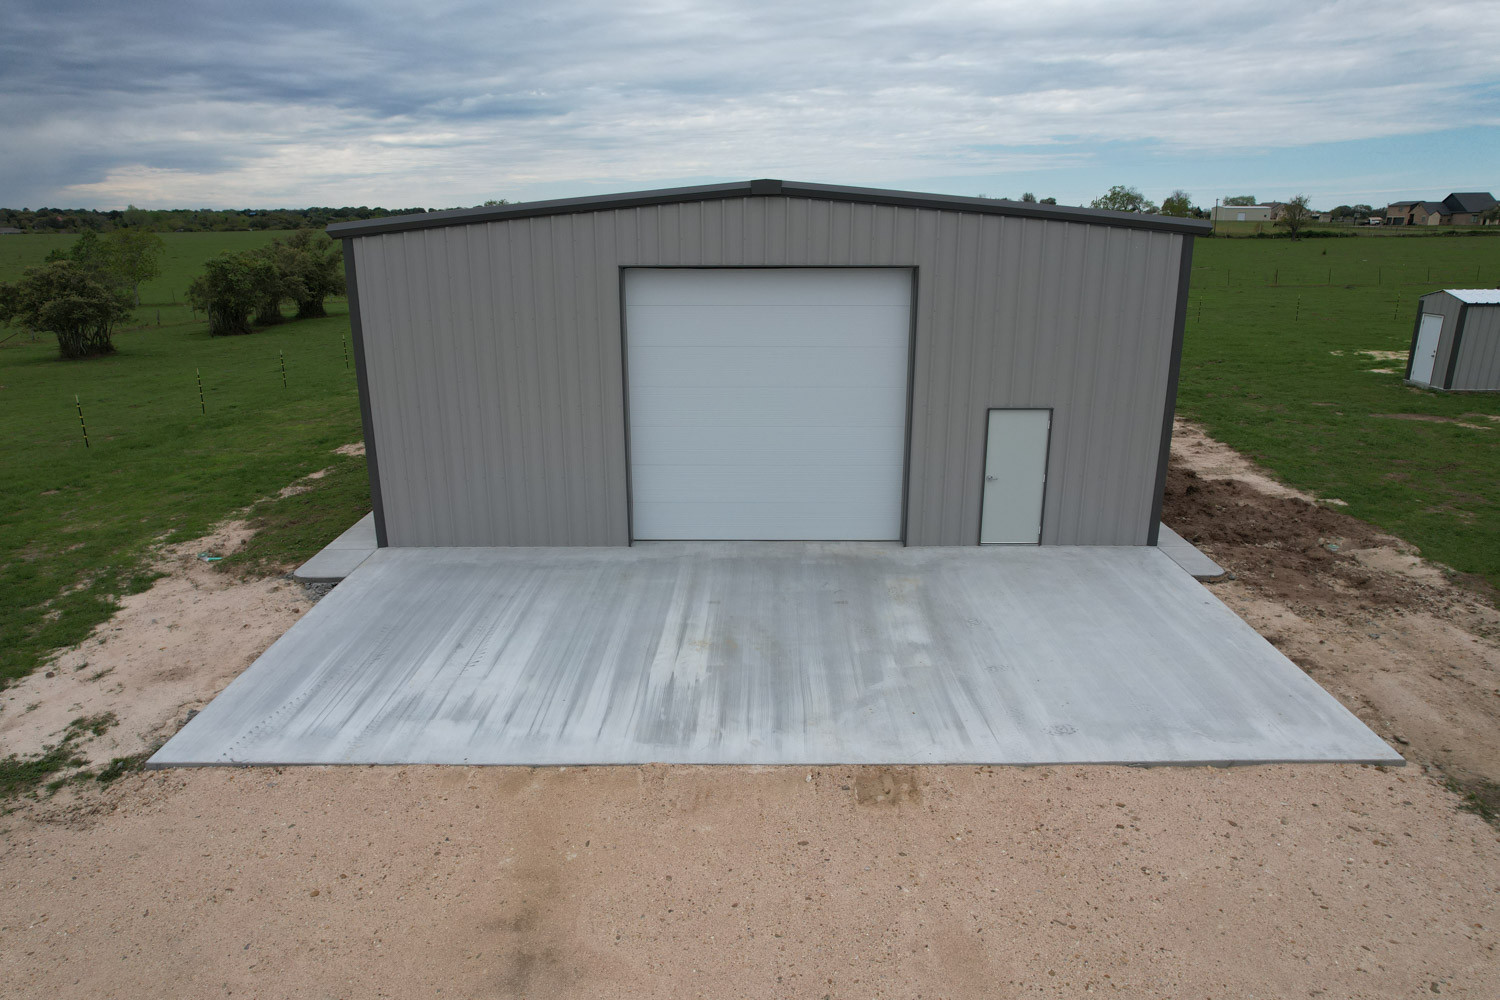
{"type": "Point", "coordinates": [1015, 476]}
{"type": "Point", "coordinates": [1424, 355]}
{"type": "Point", "coordinates": [767, 403]}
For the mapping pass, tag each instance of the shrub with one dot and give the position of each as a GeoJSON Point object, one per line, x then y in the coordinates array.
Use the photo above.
{"type": "Point", "coordinates": [71, 300]}
{"type": "Point", "coordinates": [231, 287]}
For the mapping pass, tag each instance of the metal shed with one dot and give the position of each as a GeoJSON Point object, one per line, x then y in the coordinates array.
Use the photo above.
{"type": "Point", "coordinates": [768, 360]}
{"type": "Point", "coordinates": [1455, 341]}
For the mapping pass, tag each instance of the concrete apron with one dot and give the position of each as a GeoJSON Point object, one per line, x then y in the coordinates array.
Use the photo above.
{"type": "Point", "coordinates": [772, 653]}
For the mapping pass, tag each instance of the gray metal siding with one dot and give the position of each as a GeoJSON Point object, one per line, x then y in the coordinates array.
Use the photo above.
{"type": "Point", "coordinates": [1478, 368]}
{"type": "Point", "coordinates": [495, 361]}
{"type": "Point", "coordinates": [1448, 307]}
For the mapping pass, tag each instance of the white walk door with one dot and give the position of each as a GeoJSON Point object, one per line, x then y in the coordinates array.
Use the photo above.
{"type": "Point", "coordinates": [1015, 476]}
{"type": "Point", "coordinates": [767, 403]}
{"type": "Point", "coordinates": [1424, 355]}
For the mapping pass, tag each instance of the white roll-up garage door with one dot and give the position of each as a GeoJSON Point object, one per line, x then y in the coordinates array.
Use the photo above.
{"type": "Point", "coordinates": [767, 403]}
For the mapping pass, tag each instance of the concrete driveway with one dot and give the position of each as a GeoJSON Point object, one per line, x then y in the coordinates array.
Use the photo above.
{"type": "Point", "coordinates": [772, 653]}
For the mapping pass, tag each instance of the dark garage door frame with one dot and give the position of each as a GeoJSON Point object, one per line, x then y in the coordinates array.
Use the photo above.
{"type": "Point", "coordinates": [911, 363]}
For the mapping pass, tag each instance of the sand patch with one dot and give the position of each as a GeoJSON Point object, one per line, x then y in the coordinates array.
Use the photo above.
{"type": "Point", "coordinates": [166, 652]}
{"type": "Point", "coordinates": [357, 448]}
{"type": "Point", "coordinates": [1212, 459]}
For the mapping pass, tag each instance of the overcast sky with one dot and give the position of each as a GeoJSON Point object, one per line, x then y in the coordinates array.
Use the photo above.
{"type": "Point", "coordinates": [266, 103]}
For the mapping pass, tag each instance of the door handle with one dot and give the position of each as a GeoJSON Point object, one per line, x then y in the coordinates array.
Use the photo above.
{"type": "Point", "coordinates": [990, 479]}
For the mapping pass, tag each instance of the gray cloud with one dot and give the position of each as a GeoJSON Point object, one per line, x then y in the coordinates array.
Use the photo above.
{"type": "Point", "coordinates": [445, 103]}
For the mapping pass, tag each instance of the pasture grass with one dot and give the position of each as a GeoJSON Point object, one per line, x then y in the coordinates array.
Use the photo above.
{"type": "Point", "coordinates": [77, 523]}
{"type": "Point", "coordinates": [1273, 365]}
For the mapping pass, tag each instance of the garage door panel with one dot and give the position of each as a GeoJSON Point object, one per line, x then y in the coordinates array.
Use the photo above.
{"type": "Point", "coordinates": [765, 407]}
{"type": "Point", "coordinates": [776, 521]}
{"type": "Point", "coordinates": [790, 286]}
{"type": "Point", "coordinates": [767, 404]}
{"type": "Point", "coordinates": [760, 445]}
{"type": "Point", "coordinates": [791, 367]}
{"type": "Point", "coordinates": [767, 326]}
{"type": "Point", "coordinates": [690, 483]}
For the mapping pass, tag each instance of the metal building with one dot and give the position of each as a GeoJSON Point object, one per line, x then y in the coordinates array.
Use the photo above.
{"type": "Point", "coordinates": [1455, 341]}
{"type": "Point", "coordinates": [768, 360]}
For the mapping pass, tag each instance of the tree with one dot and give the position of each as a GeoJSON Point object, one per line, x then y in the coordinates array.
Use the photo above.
{"type": "Point", "coordinates": [230, 288]}
{"type": "Point", "coordinates": [1178, 204]}
{"type": "Point", "coordinates": [1124, 199]}
{"type": "Point", "coordinates": [136, 256]}
{"type": "Point", "coordinates": [1294, 215]}
{"type": "Point", "coordinates": [1241, 199]}
{"type": "Point", "coordinates": [313, 268]}
{"type": "Point", "coordinates": [1029, 198]}
{"type": "Point", "coordinates": [1049, 201]}
{"type": "Point", "coordinates": [66, 298]}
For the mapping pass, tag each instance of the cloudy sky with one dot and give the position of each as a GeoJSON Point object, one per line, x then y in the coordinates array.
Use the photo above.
{"type": "Point", "coordinates": [264, 103]}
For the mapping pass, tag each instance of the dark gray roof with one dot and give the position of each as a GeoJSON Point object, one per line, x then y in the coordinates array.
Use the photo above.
{"type": "Point", "coordinates": [768, 188]}
{"type": "Point", "coordinates": [1469, 201]}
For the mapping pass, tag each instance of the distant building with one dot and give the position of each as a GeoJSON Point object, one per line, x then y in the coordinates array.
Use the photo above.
{"type": "Point", "coordinates": [10, 231]}
{"type": "Point", "coordinates": [1461, 208]}
{"type": "Point", "coordinates": [1466, 207]}
{"type": "Point", "coordinates": [1243, 213]}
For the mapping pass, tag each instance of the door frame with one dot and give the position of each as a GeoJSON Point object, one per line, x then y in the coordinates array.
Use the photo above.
{"type": "Point", "coordinates": [1046, 470]}
{"type": "Point", "coordinates": [911, 367]}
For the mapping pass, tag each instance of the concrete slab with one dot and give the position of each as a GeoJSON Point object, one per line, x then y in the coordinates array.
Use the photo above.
{"type": "Point", "coordinates": [1185, 554]}
{"type": "Point", "coordinates": [772, 653]}
{"type": "Point", "coordinates": [339, 557]}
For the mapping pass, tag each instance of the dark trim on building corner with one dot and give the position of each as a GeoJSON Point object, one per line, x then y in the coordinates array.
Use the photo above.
{"type": "Point", "coordinates": [1169, 407]}
{"type": "Point", "coordinates": [762, 188]}
{"type": "Point", "coordinates": [1456, 344]}
{"type": "Point", "coordinates": [911, 404]}
{"type": "Point", "coordinates": [367, 417]}
{"type": "Point", "coordinates": [1416, 329]}
{"type": "Point", "coordinates": [625, 406]}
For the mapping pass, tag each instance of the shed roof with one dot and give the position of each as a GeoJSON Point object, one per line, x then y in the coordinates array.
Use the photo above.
{"type": "Point", "coordinates": [1476, 296]}
{"type": "Point", "coordinates": [767, 188]}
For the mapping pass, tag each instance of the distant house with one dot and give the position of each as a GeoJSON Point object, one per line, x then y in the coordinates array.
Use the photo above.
{"type": "Point", "coordinates": [1461, 208]}
{"type": "Point", "coordinates": [1243, 213]}
{"type": "Point", "coordinates": [1427, 213]}
{"type": "Point", "coordinates": [1397, 213]}
{"type": "Point", "coordinates": [10, 231]}
{"type": "Point", "coordinates": [1466, 207]}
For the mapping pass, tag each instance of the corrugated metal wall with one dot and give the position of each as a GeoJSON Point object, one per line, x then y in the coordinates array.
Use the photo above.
{"type": "Point", "coordinates": [493, 353]}
{"type": "Point", "coordinates": [1446, 306]}
{"type": "Point", "coordinates": [1478, 366]}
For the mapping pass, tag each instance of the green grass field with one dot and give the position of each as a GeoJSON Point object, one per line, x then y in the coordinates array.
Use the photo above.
{"type": "Point", "coordinates": [76, 522]}
{"type": "Point", "coordinates": [1272, 366]}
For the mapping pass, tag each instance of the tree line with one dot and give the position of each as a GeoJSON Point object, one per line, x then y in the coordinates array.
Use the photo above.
{"type": "Point", "coordinates": [185, 220]}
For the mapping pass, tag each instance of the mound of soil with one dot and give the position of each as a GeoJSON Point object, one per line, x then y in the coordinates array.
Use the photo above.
{"type": "Point", "coordinates": [1303, 554]}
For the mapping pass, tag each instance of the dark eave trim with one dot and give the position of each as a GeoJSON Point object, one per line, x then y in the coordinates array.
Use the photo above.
{"type": "Point", "coordinates": [767, 188]}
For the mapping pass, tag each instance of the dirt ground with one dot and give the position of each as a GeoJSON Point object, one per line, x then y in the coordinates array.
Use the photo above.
{"type": "Point", "coordinates": [1287, 881]}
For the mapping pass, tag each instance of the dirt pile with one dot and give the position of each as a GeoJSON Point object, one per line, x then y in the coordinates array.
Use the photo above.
{"type": "Point", "coordinates": [1412, 648]}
